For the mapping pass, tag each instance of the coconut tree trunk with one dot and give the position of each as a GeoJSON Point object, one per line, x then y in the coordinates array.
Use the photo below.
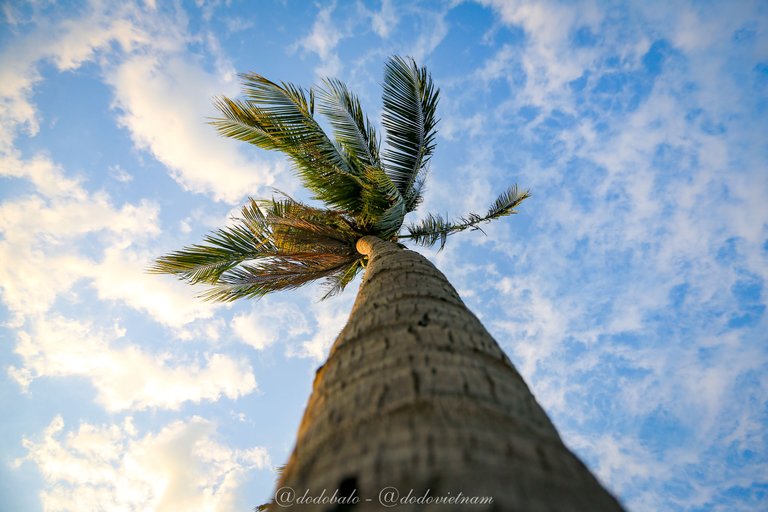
{"type": "Point", "coordinates": [417, 403]}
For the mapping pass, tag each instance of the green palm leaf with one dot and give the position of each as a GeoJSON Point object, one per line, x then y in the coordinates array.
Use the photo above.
{"type": "Point", "coordinates": [409, 117]}
{"type": "Point", "coordinates": [352, 129]}
{"type": "Point", "coordinates": [223, 249]}
{"type": "Point", "coordinates": [279, 273]}
{"type": "Point", "coordinates": [280, 117]}
{"type": "Point", "coordinates": [435, 227]}
{"type": "Point", "coordinates": [281, 244]}
{"type": "Point", "coordinates": [385, 206]}
{"type": "Point", "coordinates": [274, 245]}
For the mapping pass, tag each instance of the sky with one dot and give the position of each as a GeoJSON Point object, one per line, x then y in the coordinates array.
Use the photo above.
{"type": "Point", "coordinates": [630, 290]}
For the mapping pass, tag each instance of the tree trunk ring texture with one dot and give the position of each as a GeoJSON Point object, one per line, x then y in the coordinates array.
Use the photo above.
{"type": "Point", "coordinates": [417, 396]}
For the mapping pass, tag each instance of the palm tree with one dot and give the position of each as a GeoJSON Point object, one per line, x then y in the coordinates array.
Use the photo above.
{"type": "Point", "coordinates": [415, 396]}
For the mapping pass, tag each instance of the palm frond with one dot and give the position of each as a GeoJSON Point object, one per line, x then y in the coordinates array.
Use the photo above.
{"type": "Point", "coordinates": [506, 203]}
{"type": "Point", "coordinates": [409, 117]}
{"type": "Point", "coordinates": [384, 206]}
{"type": "Point", "coordinates": [280, 117]}
{"type": "Point", "coordinates": [286, 109]}
{"type": "Point", "coordinates": [223, 249]}
{"type": "Point", "coordinates": [275, 245]}
{"type": "Point", "coordinates": [281, 243]}
{"type": "Point", "coordinates": [388, 213]}
{"type": "Point", "coordinates": [336, 283]}
{"type": "Point", "coordinates": [297, 227]}
{"type": "Point", "coordinates": [416, 194]}
{"type": "Point", "coordinates": [278, 273]}
{"type": "Point", "coordinates": [435, 227]}
{"type": "Point", "coordinates": [352, 129]}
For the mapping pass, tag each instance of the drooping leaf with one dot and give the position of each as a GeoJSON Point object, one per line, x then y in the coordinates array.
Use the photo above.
{"type": "Point", "coordinates": [221, 251]}
{"type": "Point", "coordinates": [279, 273]}
{"type": "Point", "coordinates": [274, 245]}
{"type": "Point", "coordinates": [335, 283]}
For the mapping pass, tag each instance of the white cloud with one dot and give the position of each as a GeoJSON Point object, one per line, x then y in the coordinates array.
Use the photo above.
{"type": "Point", "coordinates": [163, 93]}
{"type": "Point", "coordinates": [622, 463]}
{"type": "Point", "coordinates": [111, 467]}
{"type": "Point", "coordinates": [549, 61]}
{"type": "Point", "coordinates": [330, 316]}
{"type": "Point", "coordinates": [456, 127]}
{"type": "Point", "coordinates": [56, 346]}
{"type": "Point", "coordinates": [68, 44]}
{"type": "Point", "coordinates": [41, 232]}
{"type": "Point", "coordinates": [536, 329]}
{"type": "Point", "coordinates": [45, 231]}
{"type": "Point", "coordinates": [434, 29]}
{"type": "Point", "coordinates": [322, 40]}
{"type": "Point", "coordinates": [120, 174]}
{"type": "Point", "coordinates": [121, 276]}
{"type": "Point", "coordinates": [237, 24]}
{"type": "Point", "coordinates": [81, 38]}
{"type": "Point", "coordinates": [163, 101]}
{"type": "Point", "coordinates": [385, 20]}
{"type": "Point", "coordinates": [48, 178]}
{"type": "Point", "coordinates": [499, 65]}
{"type": "Point", "coordinates": [268, 321]}
{"type": "Point", "coordinates": [698, 29]}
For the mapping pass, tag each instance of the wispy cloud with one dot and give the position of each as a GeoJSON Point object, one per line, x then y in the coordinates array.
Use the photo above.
{"type": "Point", "coordinates": [630, 297]}
{"type": "Point", "coordinates": [384, 21]}
{"type": "Point", "coordinates": [549, 60]}
{"type": "Point", "coordinates": [433, 29]}
{"type": "Point", "coordinates": [630, 292]}
{"type": "Point", "coordinates": [322, 41]}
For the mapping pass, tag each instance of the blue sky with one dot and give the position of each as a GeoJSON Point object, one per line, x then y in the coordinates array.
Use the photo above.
{"type": "Point", "coordinates": [629, 291]}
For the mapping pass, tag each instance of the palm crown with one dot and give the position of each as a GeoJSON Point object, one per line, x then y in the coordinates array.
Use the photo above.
{"type": "Point", "coordinates": [282, 243]}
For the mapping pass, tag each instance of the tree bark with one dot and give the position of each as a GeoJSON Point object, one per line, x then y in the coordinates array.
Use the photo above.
{"type": "Point", "coordinates": [416, 396]}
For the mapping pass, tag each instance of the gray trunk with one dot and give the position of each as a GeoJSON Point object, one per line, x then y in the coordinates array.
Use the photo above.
{"type": "Point", "coordinates": [417, 396]}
